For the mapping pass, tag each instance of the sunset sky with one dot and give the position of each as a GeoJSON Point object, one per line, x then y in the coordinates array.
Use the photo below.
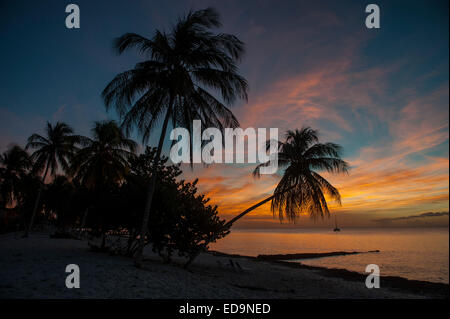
{"type": "Point", "coordinates": [382, 94]}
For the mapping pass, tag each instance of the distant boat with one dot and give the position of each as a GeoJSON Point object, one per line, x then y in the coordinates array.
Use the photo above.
{"type": "Point", "coordinates": [336, 228]}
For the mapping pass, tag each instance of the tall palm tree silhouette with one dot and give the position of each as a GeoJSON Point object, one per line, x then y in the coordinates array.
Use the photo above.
{"type": "Point", "coordinates": [301, 188]}
{"type": "Point", "coordinates": [173, 83]}
{"type": "Point", "coordinates": [103, 160]}
{"type": "Point", "coordinates": [15, 164]}
{"type": "Point", "coordinates": [53, 151]}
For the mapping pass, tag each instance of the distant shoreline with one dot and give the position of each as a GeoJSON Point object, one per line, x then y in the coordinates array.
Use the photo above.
{"type": "Point", "coordinates": [435, 289]}
{"type": "Point", "coordinates": [313, 255]}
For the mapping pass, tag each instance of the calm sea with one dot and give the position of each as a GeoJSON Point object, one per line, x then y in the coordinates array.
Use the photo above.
{"type": "Point", "coordinates": [421, 254]}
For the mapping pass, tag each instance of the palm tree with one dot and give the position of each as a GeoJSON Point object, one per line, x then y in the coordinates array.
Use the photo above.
{"type": "Point", "coordinates": [53, 151]}
{"type": "Point", "coordinates": [103, 160]}
{"type": "Point", "coordinates": [15, 165]}
{"type": "Point", "coordinates": [173, 83]}
{"type": "Point", "coordinates": [301, 189]}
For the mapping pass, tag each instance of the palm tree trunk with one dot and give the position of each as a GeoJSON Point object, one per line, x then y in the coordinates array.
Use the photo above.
{"type": "Point", "coordinates": [248, 210]}
{"type": "Point", "coordinates": [151, 190]}
{"type": "Point", "coordinates": [83, 221]}
{"type": "Point", "coordinates": [36, 203]}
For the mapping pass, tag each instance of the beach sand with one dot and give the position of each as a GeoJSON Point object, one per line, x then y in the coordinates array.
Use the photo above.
{"type": "Point", "coordinates": [35, 268]}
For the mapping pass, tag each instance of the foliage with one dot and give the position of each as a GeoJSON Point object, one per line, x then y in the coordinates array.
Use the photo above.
{"type": "Point", "coordinates": [103, 159]}
{"type": "Point", "coordinates": [184, 67]}
{"type": "Point", "coordinates": [198, 224]}
{"type": "Point", "coordinates": [15, 165]}
{"type": "Point", "coordinates": [55, 149]}
{"type": "Point", "coordinates": [182, 221]}
{"type": "Point", "coordinates": [302, 189]}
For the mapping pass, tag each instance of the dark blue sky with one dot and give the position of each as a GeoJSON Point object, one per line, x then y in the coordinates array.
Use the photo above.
{"type": "Point", "coordinates": [51, 72]}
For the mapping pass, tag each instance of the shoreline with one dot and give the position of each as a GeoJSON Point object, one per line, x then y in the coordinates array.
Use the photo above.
{"type": "Point", "coordinates": [437, 289]}
{"type": "Point", "coordinates": [35, 268]}
{"type": "Point", "coordinates": [313, 255]}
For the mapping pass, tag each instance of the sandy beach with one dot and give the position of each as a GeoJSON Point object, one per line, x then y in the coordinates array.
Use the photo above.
{"type": "Point", "coordinates": [35, 268]}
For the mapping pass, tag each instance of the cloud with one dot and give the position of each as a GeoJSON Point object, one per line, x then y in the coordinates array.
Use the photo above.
{"type": "Point", "coordinates": [423, 215]}
{"type": "Point", "coordinates": [57, 116]}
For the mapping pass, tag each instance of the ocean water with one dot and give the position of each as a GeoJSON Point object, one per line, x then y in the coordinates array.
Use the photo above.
{"type": "Point", "coordinates": [413, 253]}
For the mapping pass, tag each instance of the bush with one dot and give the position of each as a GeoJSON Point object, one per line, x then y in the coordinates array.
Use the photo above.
{"type": "Point", "coordinates": [198, 223]}
{"type": "Point", "coordinates": [181, 220]}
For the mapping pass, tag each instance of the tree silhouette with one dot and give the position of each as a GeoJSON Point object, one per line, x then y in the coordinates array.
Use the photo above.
{"type": "Point", "coordinates": [301, 188]}
{"type": "Point", "coordinates": [174, 83]}
{"type": "Point", "coordinates": [15, 165]}
{"type": "Point", "coordinates": [52, 151]}
{"type": "Point", "coordinates": [103, 159]}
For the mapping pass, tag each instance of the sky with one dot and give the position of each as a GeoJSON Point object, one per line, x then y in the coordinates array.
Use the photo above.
{"type": "Point", "coordinates": [383, 94]}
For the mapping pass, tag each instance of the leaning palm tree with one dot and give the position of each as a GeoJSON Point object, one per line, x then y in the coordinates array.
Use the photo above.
{"type": "Point", "coordinates": [301, 188]}
{"type": "Point", "coordinates": [15, 164]}
{"type": "Point", "coordinates": [53, 151]}
{"type": "Point", "coordinates": [103, 161]}
{"type": "Point", "coordinates": [174, 84]}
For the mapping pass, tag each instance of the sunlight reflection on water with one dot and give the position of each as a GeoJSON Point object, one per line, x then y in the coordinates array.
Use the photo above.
{"type": "Point", "coordinates": [421, 254]}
